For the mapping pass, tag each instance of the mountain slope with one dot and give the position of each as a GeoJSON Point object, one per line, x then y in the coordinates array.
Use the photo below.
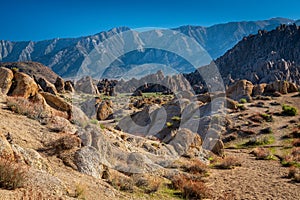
{"type": "Point", "coordinates": [65, 56]}
{"type": "Point", "coordinates": [262, 58]}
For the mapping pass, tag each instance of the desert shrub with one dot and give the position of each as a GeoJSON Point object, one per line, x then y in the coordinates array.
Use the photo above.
{"type": "Point", "coordinates": [289, 110]}
{"type": "Point", "coordinates": [294, 174]}
{"type": "Point", "coordinates": [122, 183]}
{"type": "Point", "coordinates": [292, 159]}
{"type": "Point", "coordinates": [148, 183]}
{"type": "Point", "coordinates": [196, 190]}
{"type": "Point", "coordinates": [267, 130]}
{"type": "Point", "coordinates": [262, 154]}
{"type": "Point", "coordinates": [169, 124]}
{"type": "Point", "coordinates": [176, 118]}
{"type": "Point", "coordinates": [267, 117]}
{"type": "Point", "coordinates": [258, 141]}
{"type": "Point", "coordinates": [295, 134]}
{"type": "Point", "coordinates": [94, 121]}
{"type": "Point", "coordinates": [195, 167]}
{"type": "Point", "coordinates": [241, 106]}
{"type": "Point", "coordinates": [229, 162]}
{"type": "Point", "coordinates": [12, 174]}
{"type": "Point", "coordinates": [80, 191]}
{"type": "Point", "coordinates": [25, 107]}
{"type": "Point", "coordinates": [243, 100]}
{"type": "Point", "coordinates": [190, 189]}
{"type": "Point", "coordinates": [296, 142]}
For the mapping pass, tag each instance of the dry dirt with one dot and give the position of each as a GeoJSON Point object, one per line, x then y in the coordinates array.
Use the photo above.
{"type": "Point", "coordinates": [260, 179]}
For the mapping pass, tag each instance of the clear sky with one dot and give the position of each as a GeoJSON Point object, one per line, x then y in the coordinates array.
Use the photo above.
{"type": "Point", "coordinates": [43, 19]}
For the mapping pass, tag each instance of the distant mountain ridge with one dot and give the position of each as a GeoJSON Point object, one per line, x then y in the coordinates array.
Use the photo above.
{"type": "Point", "coordinates": [65, 56]}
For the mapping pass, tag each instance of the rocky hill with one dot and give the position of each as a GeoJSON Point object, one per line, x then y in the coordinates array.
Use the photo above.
{"type": "Point", "coordinates": [33, 69]}
{"type": "Point", "coordinates": [265, 57]}
{"type": "Point", "coordinates": [65, 56]}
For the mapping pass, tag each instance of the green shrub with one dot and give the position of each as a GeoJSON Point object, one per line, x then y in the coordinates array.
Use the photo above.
{"type": "Point", "coordinates": [289, 110]}
{"type": "Point", "coordinates": [176, 118]}
{"type": "Point", "coordinates": [243, 100]}
{"type": "Point", "coordinates": [267, 117]}
{"type": "Point", "coordinates": [169, 124]}
{"type": "Point", "coordinates": [257, 141]}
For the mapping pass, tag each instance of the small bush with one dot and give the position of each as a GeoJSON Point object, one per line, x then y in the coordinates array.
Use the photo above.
{"type": "Point", "coordinates": [12, 175]}
{"type": "Point", "coordinates": [262, 154]}
{"type": "Point", "coordinates": [296, 142]}
{"type": "Point", "coordinates": [289, 110]}
{"type": "Point", "coordinates": [243, 100]}
{"type": "Point", "coordinates": [258, 141]}
{"type": "Point", "coordinates": [241, 106]}
{"type": "Point", "coordinates": [176, 118]}
{"type": "Point", "coordinates": [190, 189]}
{"type": "Point", "coordinates": [228, 163]}
{"type": "Point", "coordinates": [195, 167]}
{"type": "Point", "coordinates": [123, 183]}
{"type": "Point", "coordinates": [148, 183]}
{"type": "Point", "coordinates": [79, 191]}
{"type": "Point", "coordinates": [25, 107]}
{"type": "Point", "coordinates": [196, 190]}
{"type": "Point", "coordinates": [267, 117]}
{"type": "Point", "coordinates": [169, 124]}
{"type": "Point", "coordinates": [267, 130]}
{"type": "Point", "coordinates": [294, 174]}
{"type": "Point", "coordinates": [94, 121]}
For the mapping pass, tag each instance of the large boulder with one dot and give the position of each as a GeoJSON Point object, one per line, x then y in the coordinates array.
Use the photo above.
{"type": "Point", "coordinates": [5, 147]}
{"type": "Point", "coordinates": [47, 86]}
{"type": "Point", "coordinates": [88, 161]}
{"type": "Point", "coordinates": [6, 77]}
{"type": "Point", "coordinates": [104, 110]}
{"type": "Point", "coordinates": [60, 85]}
{"type": "Point", "coordinates": [239, 90]}
{"type": "Point", "coordinates": [57, 102]}
{"type": "Point", "coordinates": [186, 143]}
{"type": "Point", "coordinates": [69, 86]}
{"type": "Point", "coordinates": [277, 86]}
{"type": "Point", "coordinates": [86, 85]}
{"type": "Point", "coordinates": [23, 86]}
{"type": "Point", "coordinates": [259, 89]}
{"type": "Point", "coordinates": [215, 145]}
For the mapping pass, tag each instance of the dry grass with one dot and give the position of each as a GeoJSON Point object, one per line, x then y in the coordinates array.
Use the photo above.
{"type": "Point", "coordinates": [195, 167]}
{"type": "Point", "coordinates": [229, 162]}
{"type": "Point", "coordinates": [191, 189]}
{"type": "Point", "coordinates": [262, 154]}
{"type": "Point", "coordinates": [296, 142]}
{"type": "Point", "coordinates": [12, 174]}
{"type": "Point", "coordinates": [25, 107]}
{"type": "Point", "coordinates": [149, 184]}
{"type": "Point", "coordinates": [122, 182]}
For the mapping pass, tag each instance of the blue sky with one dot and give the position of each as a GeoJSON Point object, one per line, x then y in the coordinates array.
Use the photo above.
{"type": "Point", "coordinates": [42, 19]}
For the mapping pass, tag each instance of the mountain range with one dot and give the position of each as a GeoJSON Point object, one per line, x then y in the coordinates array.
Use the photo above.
{"type": "Point", "coordinates": [65, 56]}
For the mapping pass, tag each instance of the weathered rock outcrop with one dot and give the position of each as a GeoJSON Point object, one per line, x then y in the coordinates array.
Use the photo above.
{"type": "Point", "coordinates": [6, 77]}
{"type": "Point", "coordinates": [57, 102]}
{"type": "Point", "coordinates": [69, 86]}
{"type": "Point", "coordinates": [59, 85]}
{"type": "Point", "coordinates": [104, 110]}
{"type": "Point", "coordinates": [47, 86]}
{"type": "Point", "coordinates": [86, 85]}
{"type": "Point", "coordinates": [23, 86]}
{"type": "Point", "coordinates": [239, 90]}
